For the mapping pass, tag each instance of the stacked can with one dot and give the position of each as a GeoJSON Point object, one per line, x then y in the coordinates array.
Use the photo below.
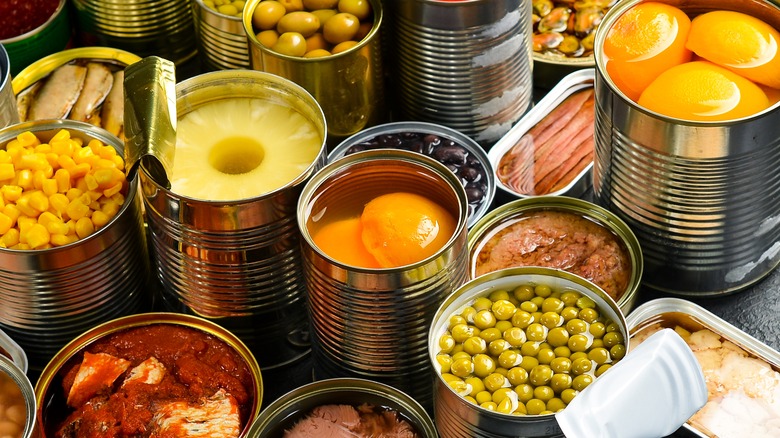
{"type": "Point", "coordinates": [143, 27]}
{"type": "Point", "coordinates": [222, 41]}
{"type": "Point", "coordinates": [466, 65]}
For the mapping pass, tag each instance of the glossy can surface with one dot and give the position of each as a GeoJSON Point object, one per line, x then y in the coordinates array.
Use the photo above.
{"type": "Point", "coordinates": [282, 414]}
{"type": "Point", "coordinates": [348, 85]}
{"type": "Point", "coordinates": [48, 387]}
{"type": "Point", "coordinates": [457, 417]}
{"type": "Point", "coordinates": [20, 380]}
{"type": "Point", "coordinates": [493, 221]}
{"type": "Point", "coordinates": [372, 323]}
{"type": "Point", "coordinates": [8, 113]}
{"type": "Point", "coordinates": [700, 196]}
{"type": "Point", "coordinates": [222, 41]}
{"type": "Point", "coordinates": [237, 262]}
{"type": "Point", "coordinates": [51, 295]}
{"type": "Point", "coordinates": [466, 65]}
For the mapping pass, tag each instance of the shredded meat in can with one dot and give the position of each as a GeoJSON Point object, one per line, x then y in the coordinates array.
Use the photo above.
{"type": "Point", "coordinates": [558, 239]}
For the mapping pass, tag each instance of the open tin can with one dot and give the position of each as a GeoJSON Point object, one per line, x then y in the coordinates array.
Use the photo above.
{"type": "Point", "coordinates": [700, 195]}
{"type": "Point", "coordinates": [18, 415]}
{"type": "Point", "coordinates": [372, 322]}
{"type": "Point", "coordinates": [222, 41]}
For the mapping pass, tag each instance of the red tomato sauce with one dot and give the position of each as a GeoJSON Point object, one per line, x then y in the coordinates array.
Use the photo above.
{"type": "Point", "coordinates": [197, 365]}
{"type": "Point", "coordinates": [18, 17]}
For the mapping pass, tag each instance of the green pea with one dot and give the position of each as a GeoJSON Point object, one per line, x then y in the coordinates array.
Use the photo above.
{"type": "Point", "coordinates": [490, 334]}
{"type": "Point", "coordinates": [528, 306]}
{"type": "Point", "coordinates": [523, 293]}
{"type": "Point", "coordinates": [544, 393]}
{"type": "Point", "coordinates": [517, 376]}
{"type": "Point", "coordinates": [576, 326]}
{"type": "Point", "coordinates": [538, 301]}
{"type": "Point", "coordinates": [551, 320]}
{"type": "Point", "coordinates": [597, 329]}
{"type": "Point", "coordinates": [542, 290]}
{"type": "Point", "coordinates": [484, 319]}
{"type": "Point", "coordinates": [561, 364]}
{"type": "Point", "coordinates": [476, 384]}
{"type": "Point", "coordinates": [290, 44]}
{"type": "Point", "coordinates": [552, 304]}
{"type": "Point", "coordinates": [545, 356]}
{"type": "Point", "coordinates": [461, 332]}
{"type": "Point", "coordinates": [562, 351]}
{"type": "Point", "coordinates": [504, 325]}
{"type": "Point", "coordinates": [522, 319]}
{"type": "Point", "coordinates": [535, 406]}
{"type": "Point", "coordinates": [524, 392]}
{"type": "Point", "coordinates": [495, 347]}
{"type": "Point", "coordinates": [600, 355]}
{"type": "Point", "coordinates": [569, 313]}
{"type": "Point", "coordinates": [555, 404]}
{"type": "Point", "coordinates": [498, 295]}
{"type": "Point", "coordinates": [581, 366]}
{"type": "Point", "coordinates": [536, 332]}
{"type": "Point", "coordinates": [581, 382]}
{"type": "Point", "coordinates": [482, 303]}
{"type": "Point", "coordinates": [567, 395]}
{"type": "Point", "coordinates": [560, 381]}
{"type": "Point", "coordinates": [461, 367]}
{"type": "Point", "coordinates": [494, 381]}
{"type": "Point", "coordinates": [484, 365]}
{"type": "Point", "coordinates": [570, 298]}
{"type": "Point", "coordinates": [456, 320]}
{"type": "Point", "coordinates": [584, 302]}
{"type": "Point", "coordinates": [528, 363]}
{"type": "Point", "coordinates": [578, 343]}
{"type": "Point", "coordinates": [509, 358]}
{"type": "Point", "coordinates": [444, 361]}
{"type": "Point", "coordinates": [540, 375]}
{"type": "Point", "coordinates": [601, 369]}
{"type": "Point", "coordinates": [474, 345]}
{"type": "Point", "coordinates": [612, 338]}
{"type": "Point", "coordinates": [503, 310]}
{"type": "Point", "coordinates": [483, 396]}
{"type": "Point", "coordinates": [530, 348]}
{"type": "Point", "coordinates": [515, 336]}
{"type": "Point", "coordinates": [617, 351]}
{"type": "Point", "coordinates": [446, 343]}
{"type": "Point", "coordinates": [589, 314]}
{"type": "Point", "coordinates": [558, 336]}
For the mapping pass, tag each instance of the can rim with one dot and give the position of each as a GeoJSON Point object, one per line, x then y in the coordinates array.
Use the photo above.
{"type": "Point", "coordinates": [23, 382]}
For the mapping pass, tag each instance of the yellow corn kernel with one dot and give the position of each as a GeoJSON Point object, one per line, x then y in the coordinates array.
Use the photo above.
{"type": "Point", "coordinates": [61, 147]}
{"type": "Point", "coordinates": [12, 211]}
{"type": "Point", "coordinates": [11, 193]}
{"type": "Point", "coordinates": [28, 139]}
{"type": "Point", "coordinates": [91, 182]}
{"type": "Point", "coordinates": [57, 227]}
{"type": "Point", "coordinates": [4, 156]}
{"type": "Point", "coordinates": [62, 134]}
{"type": "Point", "coordinates": [24, 179]}
{"type": "Point", "coordinates": [107, 152]}
{"type": "Point", "coordinates": [47, 217]}
{"type": "Point", "coordinates": [43, 148]}
{"type": "Point", "coordinates": [10, 238]}
{"type": "Point", "coordinates": [5, 223]}
{"type": "Point", "coordinates": [32, 162]}
{"type": "Point", "coordinates": [37, 236]}
{"type": "Point", "coordinates": [66, 162]}
{"type": "Point", "coordinates": [51, 158]}
{"type": "Point", "coordinates": [79, 170]}
{"type": "Point", "coordinates": [110, 208]}
{"type": "Point", "coordinates": [85, 198]}
{"type": "Point", "coordinates": [39, 201]}
{"type": "Point", "coordinates": [104, 164]}
{"type": "Point", "coordinates": [63, 239]}
{"type": "Point", "coordinates": [73, 193]}
{"type": "Point", "coordinates": [24, 223]}
{"type": "Point", "coordinates": [84, 227]}
{"type": "Point", "coordinates": [71, 227]}
{"type": "Point", "coordinates": [81, 184]}
{"type": "Point", "coordinates": [23, 204]}
{"type": "Point", "coordinates": [21, 246]}
{"type": "Point", "coordinates": [113, 190]}
{"type": "Point", "coordinates": [59, 203]}
{"type": "Point", "coordinates": [119, 162]}
{"type": "Point", "coordinates": [62, 176]}
{"type": "Point", "coordinates": [84, 155]}
{"type": "Point", "coordinates": [104, 177]}
{"type": "Point", "coordinates": [77, 209]}
{"type": "Point", "coordinates": [49, 186]}
{"type": "Point", "coordinates": [7, 171]}
{"type": "Point", "coordinates": [100, 219]}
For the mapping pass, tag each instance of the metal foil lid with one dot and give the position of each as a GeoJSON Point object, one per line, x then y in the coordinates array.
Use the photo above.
{"type": "Point", "coordinates": [150, 118]}
{"type": "Point", "coordinates": [653, 391]}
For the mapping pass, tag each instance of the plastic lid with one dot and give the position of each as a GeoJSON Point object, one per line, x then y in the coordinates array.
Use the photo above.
{"type": "Point", "coordinates": [653, 391]}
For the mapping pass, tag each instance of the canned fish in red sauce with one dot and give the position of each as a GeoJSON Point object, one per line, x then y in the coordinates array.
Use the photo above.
{"type": "Point", "coordinates": [564, 233]}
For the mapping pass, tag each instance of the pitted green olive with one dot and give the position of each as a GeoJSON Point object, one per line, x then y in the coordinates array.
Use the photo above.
{"type": "Point", "coordinates": [305, 23]}
{"type": "Point", "coordinates": [267, 14]}
{"type": "Point", "coordinates": [340, 27]}
{"type": "Point", "coordinates": [291, 44]}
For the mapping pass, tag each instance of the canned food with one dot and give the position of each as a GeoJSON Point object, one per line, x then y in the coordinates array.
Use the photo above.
{"type": "Point", "coordinates": [222, 41]}
{"type": "Point", "coordinates": [84, 84]}
{"type": "Point", "coordinates": [17, 401]}
{"type": "Point", "coordinates": [53, 293]}
{"type": "Point", "coordinates": [347, 84]}
{"type": "Point", "coordinates": [687, 188]}
{"type": "Point", "coordinates": [51, 33]}
{"type": "Point", "coordinates": [172, 369]}
{"type": "Point", "coordinates": [560, 232]}
{"type": "Point", "coordinates": [225, 243]}
{"type": "Point", "coordinates": [461, 408]}
{"type": "Point", "coordinates": [550, 150]}
{"type": "Point", "coordinates": [739, 370]}
{"type": "Point", "coordinates": [360, 394]}
{"type": "Point", "coordinates": [143, 27]}
{"type": "Point", "coordinates": [10, 349]}
{"type": "Point", "coordinates": [462, 64]}
{"type": "Point", "coordinates": [465, 157]}
{"type": "Point", "coordinates": [370, 306]}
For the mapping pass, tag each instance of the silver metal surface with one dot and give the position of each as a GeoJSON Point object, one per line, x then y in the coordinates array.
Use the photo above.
{"type": "Point", "coordinates": [373, 323]}
{"type": "Point", "coordinates": [8, 113]}
{"type": "Point", "coordinates": [17, 375]}
{"type": "Point", "coordinates": [143, 27]}
{"type": "Point", "coordinates": [428, 128]}
{"type": "Point", "coordinates": [283, 413]}
{"type": "Point", "coordinates": [702, 197]}
{"type": "Point", "coordinates": [222, 40]}
{"type": "Point", "coordinates": [671, 311]}
{"type": "Point", "coordinates": [14, 350]}
{"type": "Point", "coordinates": [237, 262]}
{"type": "Point", "coordinates": [49, 296]}
{"type": "Point", "coordinates": [479, 50]}
{"type": "Point", "coordinates": [454, 415]}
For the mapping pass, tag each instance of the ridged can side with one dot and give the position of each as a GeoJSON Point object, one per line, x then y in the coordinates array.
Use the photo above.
{"type": "Point", "coordinates": [689, 189]}
{"type": "Point", "coordinates": [51, 295]}
{"type": "Point", "coordinates": [222, 41]}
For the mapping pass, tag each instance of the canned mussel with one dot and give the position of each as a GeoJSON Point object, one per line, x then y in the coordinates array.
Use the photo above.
{"type": "Point", "coordinates": [70, 221]}
{"type": "Point", "coordinates": [462, 155]}
{"type": "Point", "coordinates": [361, 407]}
{"type": "Point", "coordinates": [564, 233]}
{"type": "Point", "coordinates": [84, 84]}
{"type": "Point", "coordinates": [742, 373]}
{"type": "Point", "coordinates": [513, 347]}
{"type": "Point", "coordinates": [167, 374]}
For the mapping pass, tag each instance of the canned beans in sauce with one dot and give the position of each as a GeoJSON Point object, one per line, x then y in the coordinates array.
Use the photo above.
{"type": "Point", "coordinates": [13, 410]}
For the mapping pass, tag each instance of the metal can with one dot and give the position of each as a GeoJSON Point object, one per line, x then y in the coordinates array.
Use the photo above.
{"type": "Point", "coordinates": [501, 218]}
{"type": "Point", "coordinates": [51, 295]}
{"type": "Point", "coordinates": [238, 262]}
{"type": "Point", "coordinates": [372, 323]}
{"type": "Point", "coordinates": [12, 350]}
{"type": "Point", "coordinates": [348, 85]}
{"type": "Point", "coordinates": [50, 400]}
{"type": "Point", "coordinates": [282, 414]}
{"type": "Point", "coordinates": [8, 113]}
{"type": "Point", "coordinates": [689, 190]}
{"type": "Point", "coordinates": [457, 417]}
{"type": "Point", "coordinates": [222, 41]}
{"type": "Point", "coordinates": [50, 37]}
{"type": "Point", "coordinates": [480, 189]}
{"type": "Point", "coordinates": [686, 318]}
{"type": "Point", "coordinates": [15, 386]}
{"type": "Point", "coordinates": [466, 65]}
{"type": "Point", "coordinates": [143, 27]}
